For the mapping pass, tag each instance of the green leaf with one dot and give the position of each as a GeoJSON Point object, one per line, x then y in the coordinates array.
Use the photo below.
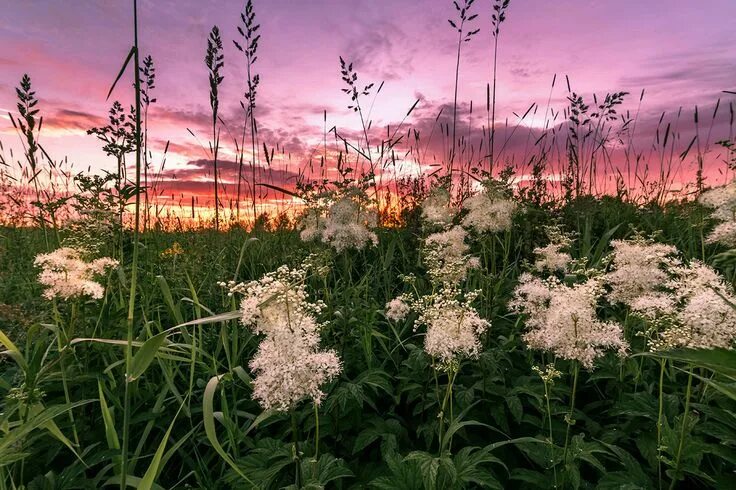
{"type": "Point", "coordinates": [169, 299]}
{"type": "Point", "coordinates": [721, 361]}
{"type": "Point", "coordinates": [12, 351]}
{"type": "Point", "coordinates": [110, 433]}
{"type": "Point", "coordinates": [154, 468]}
{"type": "Point", "coordinates": [208, 414]}
{"type": "Point", "coordinates": [145, 356]}
{"type": "Point", "coordinates": [38, 420]}
{"type": "Point", "coordinates": [222, 317]}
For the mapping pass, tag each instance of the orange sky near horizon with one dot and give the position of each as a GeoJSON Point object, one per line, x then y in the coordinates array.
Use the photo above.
{"type": "Point", "coordinates": [683, 55]}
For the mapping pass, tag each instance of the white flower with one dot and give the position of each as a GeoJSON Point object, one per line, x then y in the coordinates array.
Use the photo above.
{"type": "Point", "coordinates": [289, 365]}
{"type": "Point", "coordinates": [552, 258]}
{"type": "Point", "coordinates": [638, 268]}
{"type": "Point", "coordinates": [445, 255]}
{"type": "Point", "coordinates": [488, 212]}
{"type": "Point", "coordinates": [454, 331]}
{"type": "Point", "coordinates": [436, 208]}
{"type": "Point", "coordinates": [289, 370]}
{"type": "Point", "coordinates": [562, 319]}
{"type": "Point", "coordinates": [343, 223]}
{"type": "Point", "coordinates": [724, 233]}
{"type": "Point", "coordinates": [397, 309]}
{"type": "Point", "coordinates": [453, 325]}
{"type": "Point", "coordinates": [722, 200]}
{"type": "Point", "coordinates": [65, 274]}
{"type": "Point", "coordinates": [702, 317]}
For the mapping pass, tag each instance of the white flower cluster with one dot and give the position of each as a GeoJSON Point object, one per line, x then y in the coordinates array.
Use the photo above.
{"type": "Point", "coordinates": [562, 319]}
{"type": "Point", "coordinates": [397, 310]}
{"type": "Point", "coordinates": [553, 257]}
{"type": "Point", "coordinates": [436, 208]}
{"type": "Point", "coordinates": [344, 223]}
{"type": "Point", "coordinates": [691, 309]}
{"type": "Point", "coordinates": [723, 202]}
{"type": "Point", "coordinates": [686, 305]}
{"type": "Point", "coordinates": [638, 267]}
{"type": "Point", "coordinates": [453, 325]}
{"type": "Point", "coordinates": [66, 274]}
{"type": "Point", "coordinates": [488, 212]}
{"type": "Point", "coordinates": [446, 256]}
{"type": "Point", "coordinates": [289, 366]}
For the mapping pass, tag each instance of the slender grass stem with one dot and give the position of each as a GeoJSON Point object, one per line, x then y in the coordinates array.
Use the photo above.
{"type": "Point", "coordinates": [134, 269]}
{"type": "Point", "coordinates": [659, 422]}
{"type": "Point", "coordinates": [683, 428]}
{"type": "Point", "coordinates": [569, 418]}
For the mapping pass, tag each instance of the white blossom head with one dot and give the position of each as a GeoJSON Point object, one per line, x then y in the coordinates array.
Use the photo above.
{"type": "Point", "coordinates": [437, 209]}
{"type": "Point", "coordinates": [397, 309]}
{"type": "Point", "coordinates": [446, 257]}
{"type": "Point", "coordinates": [344, 222]}
{"type": "Point", "coordinates": [453, 325]}
{"type": "Point", "coordinates": [722, 200]}
{"type": "Point", "coordinates": [289, 365]}
{"type": "Point", "coordinates": [65, 274]}
{"type": "Point", "coordinates": [563, 320]}
{"type": "Point", "coordinates": [638, 268]}
{"type": "Point", "coordinates": [488, 212]}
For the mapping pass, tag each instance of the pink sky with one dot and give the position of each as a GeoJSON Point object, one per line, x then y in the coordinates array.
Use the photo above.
{"type": "Point", "coordinates": [682, 53]}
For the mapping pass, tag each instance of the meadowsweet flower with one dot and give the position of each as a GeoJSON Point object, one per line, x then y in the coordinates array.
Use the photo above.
{"type": "Point", "coordinates": [445, 255]}
{"type": "Point", "coordinates": [436, 208]}
{"type": "Point", "coordinates": [562, 319]}
{"type": "Point", "coordinates": [553, 257]}
{"type": "Point", "coordinates": [289, 364]}
{"type": "Point", "coordinates": [397, 309]}
{"type": "Point", "coordinates": [453, 325]}
{"type": "Point", "coordinates": [344, 223]}
{"type": "Point", "coordinates": [722, 200]}
{"type": "Point", "coordinates": [701, 316]}
{"type": "Point", "coordinates": [639, 267]}
{"type": "Point", "coordinates": [488, 212]}
{"type": "Point", "coordinates": [65, 274]}
{"type": "Point", "coordinates": [724, 233]}
{"type": "Point", "coordinates": [653, 305]}
{"type": "Point", "coordinates": [289, 371]}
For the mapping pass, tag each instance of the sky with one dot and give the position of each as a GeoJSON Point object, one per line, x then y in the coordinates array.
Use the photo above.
{"type": "Point", "coordinates": [683, 54]}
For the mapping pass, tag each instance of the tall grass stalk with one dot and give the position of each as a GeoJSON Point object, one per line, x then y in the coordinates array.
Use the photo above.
{"type": "Point", "coordinates": [134, 267]}
{"type": "Point", "coordinates": [463, 36]}
{"type": "Point", "coordinates": [498, 16]}
{"type": "Point", "coordinates": [215, 62]}
{"type": "Point", "coordinates": [249, 47]}
{"type": "Point", "coordinates": [662, 363]}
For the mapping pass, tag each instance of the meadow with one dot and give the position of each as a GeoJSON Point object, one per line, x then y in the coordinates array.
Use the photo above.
{"type": "Point", "coordinates": [457, 329]}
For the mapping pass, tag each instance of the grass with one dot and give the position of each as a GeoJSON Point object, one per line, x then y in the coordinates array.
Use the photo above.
{"type": "Point", "coordinates": [378, 424]}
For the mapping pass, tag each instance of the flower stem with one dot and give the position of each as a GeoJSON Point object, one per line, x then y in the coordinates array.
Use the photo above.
{"type": "Point", "coordinates": [295, 442]}
{"type": "Point", "coordinates": [683, 427]}
{"type": "Point", "coordinates": [551, 439]}
{"type": "Point", "coordinates": [576, 371]}
{"type": "Point", "coordinates": [659, 422]}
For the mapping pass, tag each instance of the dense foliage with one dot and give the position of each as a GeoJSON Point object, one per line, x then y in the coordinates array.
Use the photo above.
{"type": "Point", "coordinates": [194, 422]}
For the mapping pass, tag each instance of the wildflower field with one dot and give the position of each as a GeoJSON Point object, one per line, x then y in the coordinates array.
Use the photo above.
{"type": "Point", "coordinates": [554, 352]}
{"type": "Point", "coordinates": [563, 321]}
